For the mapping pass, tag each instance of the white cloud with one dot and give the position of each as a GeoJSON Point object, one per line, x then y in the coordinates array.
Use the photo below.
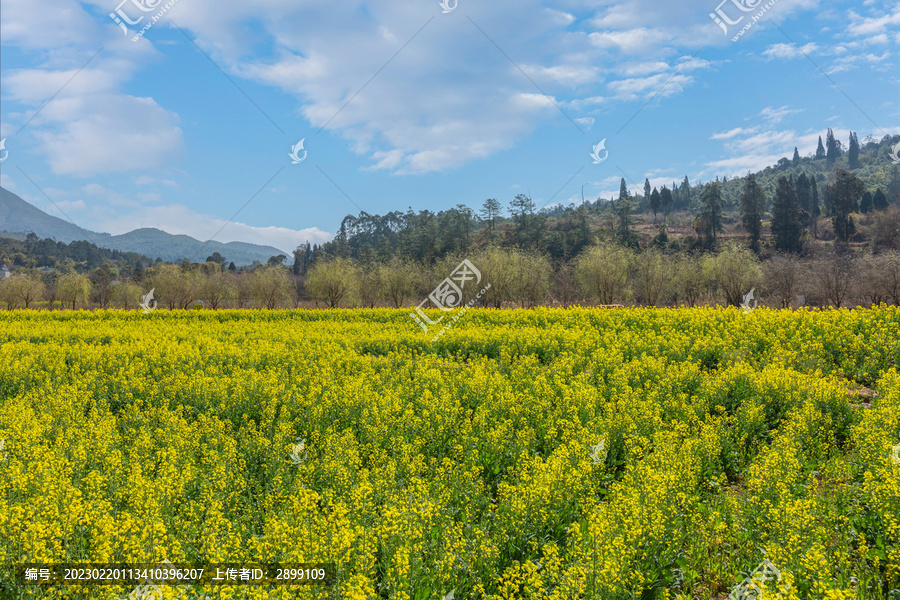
{"type": "Point", "coordinates": [727, 135]}
{"type": "Point", "coordinates": [47, 25]}
{"type": "Point", "coordinates": [568, 75]}
{"type": "Point", "coordinates": [789, 51]}
{"type": "Point", "coordinates": [632, 41]}
{"type": "Point", "coordinates": [846, 63]}
{"type": "Point", "coordinates": [107, 133]}
{"type": "Point", "coordinates": [74, 106]}
{"type": "Point", "coordinates": [776, 115]}
{"type": "Point", "coordinates": [585, 122]}
{"type": "Point", "coordinates": [872, 26]}
{"type": "Point", "coordinates": [662, 84]}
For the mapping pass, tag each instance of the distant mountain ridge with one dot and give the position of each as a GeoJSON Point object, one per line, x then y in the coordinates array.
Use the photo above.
{"type": "Point", "coordinates": [19, 217]}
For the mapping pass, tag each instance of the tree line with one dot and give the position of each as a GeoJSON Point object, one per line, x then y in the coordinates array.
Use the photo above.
{"type": "Point", "coordinates": [606, 273]}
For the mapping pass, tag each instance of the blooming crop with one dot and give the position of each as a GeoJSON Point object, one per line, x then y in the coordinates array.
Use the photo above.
{"type": "Point", "coordinates": [552, 454]}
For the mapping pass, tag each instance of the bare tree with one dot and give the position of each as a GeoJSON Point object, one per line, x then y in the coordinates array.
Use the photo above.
{"type": "Point", "coordinates": [833, 277]}
{"type": "Point", "coordinates": [880, 278]}
{"type": "Point", "coordinates": [886, 230]}
{"type": "Point", "coordinates": [564, 286]}
{"type": "Point", "coordinates": [782, 278]}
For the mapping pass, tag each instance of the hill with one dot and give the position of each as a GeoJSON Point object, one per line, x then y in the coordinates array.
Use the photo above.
{"type": "Point", "coordinates": [18, 218]}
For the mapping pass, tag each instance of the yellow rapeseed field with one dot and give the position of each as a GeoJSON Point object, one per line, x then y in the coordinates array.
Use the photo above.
{"type": "Point", "coordinates": [526, 454]}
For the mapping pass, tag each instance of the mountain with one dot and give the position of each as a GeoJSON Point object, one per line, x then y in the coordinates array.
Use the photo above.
{"type": "Point", "coordinates": [18, 217]}
{"type": "Point", "coordinates": [154, 242]}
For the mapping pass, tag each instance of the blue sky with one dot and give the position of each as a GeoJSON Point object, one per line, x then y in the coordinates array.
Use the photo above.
{"type": "Point", "coordinates": [189, 126]}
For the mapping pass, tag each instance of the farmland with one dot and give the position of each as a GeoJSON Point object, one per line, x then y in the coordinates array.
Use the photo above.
{"type": "Point", "coordinates": [539, 454]}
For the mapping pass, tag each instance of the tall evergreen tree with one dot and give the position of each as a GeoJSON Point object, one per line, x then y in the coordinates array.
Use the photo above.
{"type": "Point", "coordinates": [820, 149]}
{"type": "Point", "coordinates": [845, 192]}
{"type": "Point", "coordinates": [647, 191]}
{"type": "Point", "coordinates": [684, 192]}
{"type": "Point", "coordinates": [865, 205]}
{"type": "Point", "coordinates": [522, 210]}
{"type": "Point", "coordinates": [709, 223]}
{"type": "Point", "coordinates": [804, 197]}
{"type": "Point", "coordinates": [753, 202]}
{"type": "Point", "coordinates": [625, 229]}
{"type": "Point", "coordinates": [893, 188]}
{"type": "Point", "coordinates": [832, 148]}
{"type": "Point", "coordinates": [489, 212]}
{"type": "Point", "coordinates": [665, 199]}
{"type": "Point", "coordinates": [796, 159]}
{"type": "Point", "coordinates": [785, 217]}
{"type": "Point", "coordinates": [853, 151]}
{"type": "Point", "coordinates": [655, 202]}
{"type": "Point", "coordinates": [879, 201]}
{"type": "Point", "coordinates": [814, 209]}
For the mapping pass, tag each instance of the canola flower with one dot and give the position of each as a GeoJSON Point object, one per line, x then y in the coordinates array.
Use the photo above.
{"type": "Point", "coordinates": [467, 464]}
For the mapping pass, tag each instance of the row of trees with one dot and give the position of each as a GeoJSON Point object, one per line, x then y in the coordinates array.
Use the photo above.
{"type": "Point", "coordinates": [602, 274]}
{"type": "Point", "coordinates": [796, 208]}
{"type": "Point", "coordinates": [833, 184]}
{"type": "Point", "coordinates": [36, 252]}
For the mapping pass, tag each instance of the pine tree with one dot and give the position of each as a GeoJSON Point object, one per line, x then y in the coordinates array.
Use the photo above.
{"type": "Point", "coordinates": [853, 151]}
{"type": "Point", "coordinates": [625, 231]}
{"type": "Point", "coordinates": [522, 209]}
{"type": "Point", "coordinates": [845, 193]}
{"type": "Point", "coordinates": [753, 202]}
{"type": "Point", "coordinates": [785, 217]}
{"type": "Point", "coordinates": [880, 201]}
{"type": "Point", "coordinates": [489, 212]}
{"type": "Point", "coordinates": [796, 159]}
{"type": "Point", "coordinates": [820, 149]}
{"type": "Point", "coordinates": [804, 197]}
{"type": "Point", "coordinates": [665, 199]}
{"type": "Point", "coordinates": [865, 205]}
{"type": "Point", "coordinates": [710, 221]}
{"type": "Point", "coordinates": [814, 209]}
{"type": "Point", "coordinates": [647, 190]}
{"type": "Point", "coordinates": [893, 188]}
{"type": "Point", "coordinates": [655, 203]}
{"type": "Point", "coordinates": [684, 192]}
{"type": "Point", "coordinates": [832, 148]}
